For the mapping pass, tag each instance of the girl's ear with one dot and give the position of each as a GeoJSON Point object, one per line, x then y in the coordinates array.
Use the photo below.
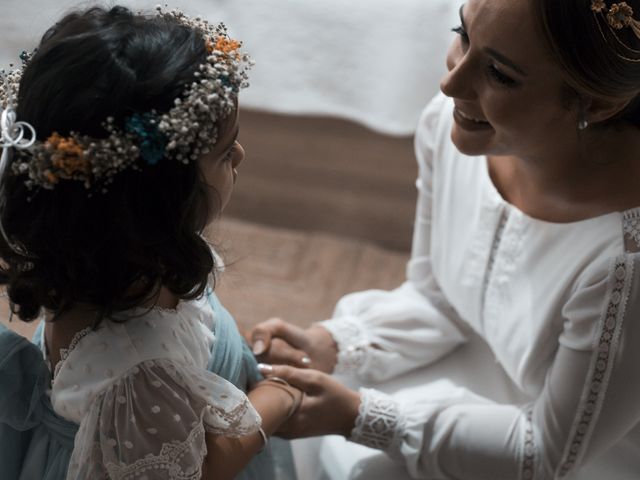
{"type": "Point", "coordinates": [597, 110]}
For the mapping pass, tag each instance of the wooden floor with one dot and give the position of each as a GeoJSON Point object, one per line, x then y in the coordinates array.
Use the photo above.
{"type": "Point", "coordinates": [329, 175]}
{"type": "Point", "coordinates": [297, 275]}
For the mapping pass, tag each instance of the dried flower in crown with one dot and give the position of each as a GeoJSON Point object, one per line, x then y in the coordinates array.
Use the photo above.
{"type": "Point", "coordinates": [186, 131]}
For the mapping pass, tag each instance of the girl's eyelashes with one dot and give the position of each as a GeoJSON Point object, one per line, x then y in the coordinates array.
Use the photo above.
{"type": "Point", "coordinates": [462, 32]}
{"type": "Point", "coordinates": [230, 152]}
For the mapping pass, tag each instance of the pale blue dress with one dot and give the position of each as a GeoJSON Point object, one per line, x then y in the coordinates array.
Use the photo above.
{"type": "Point", "coordinates": [131, 399]}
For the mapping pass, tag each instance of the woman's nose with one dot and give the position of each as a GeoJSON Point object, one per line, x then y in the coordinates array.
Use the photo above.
{"type": "Point", "coordinates": [459, 81]}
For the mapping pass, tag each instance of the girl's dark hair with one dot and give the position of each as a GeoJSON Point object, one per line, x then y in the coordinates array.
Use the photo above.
{"type": "Point", "coordinates": [112, 250]}
{"type": "Point", "coordinates": [591, 55]}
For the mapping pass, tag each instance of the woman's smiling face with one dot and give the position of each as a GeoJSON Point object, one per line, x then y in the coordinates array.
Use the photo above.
{"type": "Point", "coordinates": [509, 94]}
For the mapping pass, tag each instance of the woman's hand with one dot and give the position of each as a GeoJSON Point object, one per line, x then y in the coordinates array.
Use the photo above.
{"type": "Point", "coordinates": [276, 341]}
{"type": "Point", "coordinates": [327, 408]}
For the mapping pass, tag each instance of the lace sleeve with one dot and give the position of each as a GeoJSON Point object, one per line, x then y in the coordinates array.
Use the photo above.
{"type": "Point", "coordinates": [152, 422]}
{"type": "Point", "coordinates": [380, 421]}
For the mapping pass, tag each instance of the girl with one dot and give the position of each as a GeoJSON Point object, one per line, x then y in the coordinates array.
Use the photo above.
{"type": "Point", "coordinates": [119, 148]}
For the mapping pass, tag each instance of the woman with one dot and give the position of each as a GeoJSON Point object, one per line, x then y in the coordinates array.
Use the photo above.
{"type": "Point", "coordinates": [527, 234]}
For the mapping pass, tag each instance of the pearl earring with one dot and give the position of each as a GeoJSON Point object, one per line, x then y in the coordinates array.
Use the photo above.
{"type": "Point", "coordinates": [582, 115]}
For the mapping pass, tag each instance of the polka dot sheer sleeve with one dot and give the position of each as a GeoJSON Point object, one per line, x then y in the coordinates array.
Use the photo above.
{"type": "Point", "coordinates": [151, 423]}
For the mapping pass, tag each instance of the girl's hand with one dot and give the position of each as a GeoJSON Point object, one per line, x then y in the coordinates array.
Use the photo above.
{"type": "Point", "coordinates": [327, 408]}
{"type": "Point", "coordinates": [276, 341]}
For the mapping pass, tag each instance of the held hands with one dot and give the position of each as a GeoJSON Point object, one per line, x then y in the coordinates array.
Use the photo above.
{"type": "Point", "coordinates": [276, 341]}
{"type": "Point", "coordinates": [327, 407]}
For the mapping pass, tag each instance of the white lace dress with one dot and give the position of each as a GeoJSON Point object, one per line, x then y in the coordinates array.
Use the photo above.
{"type": "Point", "coordinates": [558, 306]}
{"type": "Point", "coordinates": [143, 397]}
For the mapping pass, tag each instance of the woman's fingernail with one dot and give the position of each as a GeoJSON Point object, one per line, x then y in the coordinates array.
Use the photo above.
{"type": "Point", "coordinates": [306, 360]}
{"type": "Point", "coordinates": [258, 347]}
{"type": "Point", "coordinates": [265, 368]}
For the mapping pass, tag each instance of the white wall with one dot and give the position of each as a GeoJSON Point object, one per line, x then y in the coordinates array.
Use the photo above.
{"type": "Point", "coordinates": [373, 61]}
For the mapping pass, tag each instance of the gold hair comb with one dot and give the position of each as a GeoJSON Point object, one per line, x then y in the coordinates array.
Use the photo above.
{"type": "Point", "coordinates": [616, 17]}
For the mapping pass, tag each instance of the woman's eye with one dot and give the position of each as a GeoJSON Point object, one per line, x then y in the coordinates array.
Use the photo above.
{"type": "Point", "coordinates": [462, 32]}
{"type": "Point", "coordinates": [493, 72]}
{"type": "Point", "coordinates": [500, 77]}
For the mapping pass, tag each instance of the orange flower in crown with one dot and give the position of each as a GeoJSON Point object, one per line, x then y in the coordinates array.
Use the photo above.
{"type": "Point", "coordinates": [223, 44]}
{"type": "Point", "coordinates": [51, 177]}
{"type": "Point", "coordinates": [227, 45]}
{"type": "Point", "coordinates": [68, 155]}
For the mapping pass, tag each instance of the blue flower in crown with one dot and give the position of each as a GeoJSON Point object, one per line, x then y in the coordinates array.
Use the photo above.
{"type": "Point", "coordinates": [152, 141]}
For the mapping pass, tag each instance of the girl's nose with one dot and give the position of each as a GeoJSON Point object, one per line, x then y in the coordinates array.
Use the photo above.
{"type": "Point", "coordinates": [239, 157]}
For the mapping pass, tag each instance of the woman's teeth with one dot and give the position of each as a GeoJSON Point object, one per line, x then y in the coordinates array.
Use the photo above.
{"type": "Point", "coordinates": [468, 117]}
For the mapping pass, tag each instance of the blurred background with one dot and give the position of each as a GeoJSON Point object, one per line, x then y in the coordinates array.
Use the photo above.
{"type": "Point", "coordinates": [324, 204]}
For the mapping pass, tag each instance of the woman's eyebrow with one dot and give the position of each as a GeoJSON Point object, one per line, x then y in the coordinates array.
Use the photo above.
{"type": "Point", "coordinates": [494, 53]}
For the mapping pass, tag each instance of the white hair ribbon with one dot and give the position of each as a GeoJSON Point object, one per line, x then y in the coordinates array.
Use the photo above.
{"type": "Point", "coordinates": [12, 135]}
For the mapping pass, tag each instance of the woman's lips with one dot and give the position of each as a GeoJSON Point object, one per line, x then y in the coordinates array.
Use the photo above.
{"type": "Point", "coordinates": [469, 122]}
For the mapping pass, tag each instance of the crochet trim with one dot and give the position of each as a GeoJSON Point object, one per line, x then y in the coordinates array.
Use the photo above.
{"type": "Point", "coordinates": [65, 352]}
{"type": "Point", "coordinates": [528, 470]}
{"type": "Point", "coordinates": [602, 362]}
{"type": "Point", "coordinates": [352, 344]}
{"type": "Point", "coordinates": [379, 423]}
{"type": "Point", "coordinates": [168, 459]}
{"type": "Point", "coordinates": [631, 230]}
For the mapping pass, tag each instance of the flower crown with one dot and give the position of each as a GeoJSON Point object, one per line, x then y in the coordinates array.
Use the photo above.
{"type": "Point", "coordinates": [186, 131]}
{"type": "Point", "coordinates": [616, 17]}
